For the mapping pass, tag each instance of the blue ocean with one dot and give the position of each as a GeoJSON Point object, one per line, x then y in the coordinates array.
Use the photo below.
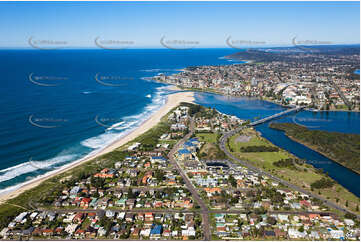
{"type": "Point", "coordinates": [58, 106]}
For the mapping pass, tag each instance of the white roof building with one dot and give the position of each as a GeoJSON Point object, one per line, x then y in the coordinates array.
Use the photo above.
{"type": "Point", "coordinates": [20, 217]}
{"type": "Point", "coordinates": [145, 232]}
{"type": "Point", "coordinates": [337, 234]}
{"type": "Point", "coordinates": [70, 229]}
{"type": "Point", "coordinates": [189, 232]}
{"type": "Point", "coordinates": [349, 222]}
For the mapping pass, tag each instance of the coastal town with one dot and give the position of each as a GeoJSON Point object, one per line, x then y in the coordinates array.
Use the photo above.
{"type": "Point", "coordinates": [131, 120]}
{"type": "Point", "coordinates": [174, 182]}
{"type": "Point", "coordinates": [313, 78]}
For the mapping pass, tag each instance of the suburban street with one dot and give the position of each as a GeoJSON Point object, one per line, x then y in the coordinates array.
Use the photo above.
{"type": "Point", "coordinates": [163, 211]}
{"type": "Point", "coordinates": [342, 95]}
{"type": "Point", "coordinates": [191, 188]}
{"type": "Point", "coordinates": [222, 145]}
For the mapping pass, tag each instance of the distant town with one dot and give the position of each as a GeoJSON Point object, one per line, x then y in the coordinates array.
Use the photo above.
{"type": "Point", "coordinates": [179, 120]}
{"type": "Point", "coordinates": [176, 183]}
{"type": "Point", "coordinates": [317, 78]}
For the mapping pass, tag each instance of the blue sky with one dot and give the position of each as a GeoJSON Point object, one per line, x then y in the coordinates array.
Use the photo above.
{"type": "Point", "coordinates": [208, 23]}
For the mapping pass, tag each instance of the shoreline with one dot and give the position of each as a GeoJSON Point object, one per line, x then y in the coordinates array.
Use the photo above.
{"type": "Point", "coordinates": [173, 100]}
{"type": "Point", "coordinates": [332, 110]}
{"type": "Point", "coordinates": [264, 99]}
{"type": "Point", "coordinates": [316, 150]}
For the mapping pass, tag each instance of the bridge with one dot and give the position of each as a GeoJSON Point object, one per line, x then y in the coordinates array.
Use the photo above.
{"type": "Point", "coordinates": [296, 109]}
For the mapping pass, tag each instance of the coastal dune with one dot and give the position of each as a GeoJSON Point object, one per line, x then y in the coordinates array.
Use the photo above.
{"type": "Point", "coordinates": [173, 101]}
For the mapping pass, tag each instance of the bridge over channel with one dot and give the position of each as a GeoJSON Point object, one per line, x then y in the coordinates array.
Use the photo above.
{"type": "Point", "coordinates": [296, 109]}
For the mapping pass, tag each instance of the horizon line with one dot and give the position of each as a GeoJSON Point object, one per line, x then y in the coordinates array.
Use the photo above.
{"type": "Point", "coordinates": [159, 47]}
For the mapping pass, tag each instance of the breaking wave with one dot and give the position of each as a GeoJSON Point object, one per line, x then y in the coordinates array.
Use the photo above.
{"type": "Point", "coordinates": [32, 166]}
{"type": "Point", "coordinates": [35, 169]}
{"type": "Point", "coordinates": [128, 123]}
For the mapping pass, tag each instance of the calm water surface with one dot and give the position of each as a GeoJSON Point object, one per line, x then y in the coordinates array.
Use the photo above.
{"type": "Point", "coordinates": [246, 108]}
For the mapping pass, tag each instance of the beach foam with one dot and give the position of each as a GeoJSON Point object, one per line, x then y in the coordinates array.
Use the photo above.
{"type": "Point", "coordinates": [31, 166]}
{"type": "Point", "coordinates": [173, 101]}
{"type": "Point", "coordinates": [128, 123]}
{"type": "Point", "coordinates": [95, 143]}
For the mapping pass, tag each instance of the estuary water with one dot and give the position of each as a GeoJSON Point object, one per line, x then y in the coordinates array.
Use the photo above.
{"type": "Point", "coordinates": [58, 106]}
{"type": "Point", "coordinates": [247, 108]}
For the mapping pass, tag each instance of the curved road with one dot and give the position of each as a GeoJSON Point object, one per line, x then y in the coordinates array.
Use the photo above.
{"type": "Point", "coordinates": [222, 145]}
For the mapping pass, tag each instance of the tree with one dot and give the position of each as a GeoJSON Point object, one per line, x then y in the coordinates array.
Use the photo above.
{"type": "Point", "coordinates": [234, 200]}
{"type": "Point", "coordinates": [271, 220]}
{"type": "Point", "coordinates": [350, 216]}
{"type": "Point", "coordinates": [131, 194]}
{"type": "Point", "coordinates": [301, 229]}
{"type": "Point", "coordinates": [232, 181]}
{"type": "Point", "coordinates": [159, 174]}
{"type": "Point", "coordinates": [323, 183]}
{"type": "Point", "coordinates": [260, 211]}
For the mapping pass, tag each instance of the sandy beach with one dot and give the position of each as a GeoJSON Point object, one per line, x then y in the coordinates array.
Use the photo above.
{"type": "Point", "coordinates": [172, 101]}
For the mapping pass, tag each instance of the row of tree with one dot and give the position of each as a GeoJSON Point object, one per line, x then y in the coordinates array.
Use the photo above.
{"type": "Point", "coordinates": [259, 148]}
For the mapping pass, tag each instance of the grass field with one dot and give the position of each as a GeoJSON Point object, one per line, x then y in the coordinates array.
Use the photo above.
{"type": "Point", "coordinates": [254, 141]}
{"type": "Point", "coordinates": [208, 137]}
{"type": "Point", "coordinates": [301, 175]}
{"type": "Point", "coordinates": [265, 159]}
{"type": "Point", "coordinates": [210, 149]}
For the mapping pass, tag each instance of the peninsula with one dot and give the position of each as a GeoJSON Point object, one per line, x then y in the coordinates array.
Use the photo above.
{"type": "Point", "coordinates": [340, 147]}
